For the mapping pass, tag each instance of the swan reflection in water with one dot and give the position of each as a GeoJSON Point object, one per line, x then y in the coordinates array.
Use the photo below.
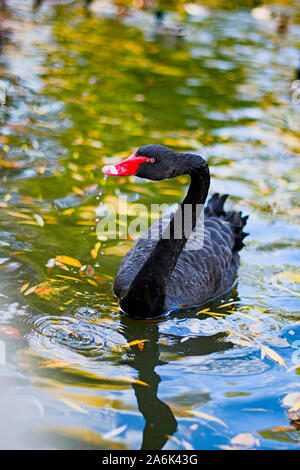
{"type": "Point", "coordinates": [160, 422]}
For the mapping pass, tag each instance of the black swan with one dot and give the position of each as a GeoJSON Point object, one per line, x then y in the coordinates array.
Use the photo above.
{"type": "Point", "coordinates": [161, 274]}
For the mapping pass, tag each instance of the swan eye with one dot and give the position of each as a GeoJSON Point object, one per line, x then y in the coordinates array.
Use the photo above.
{"type": "Point", "coordinates": [151, 160]}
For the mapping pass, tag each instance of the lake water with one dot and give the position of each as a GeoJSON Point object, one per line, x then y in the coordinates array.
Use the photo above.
{"type": "Point", "coordinates": [82, 90]}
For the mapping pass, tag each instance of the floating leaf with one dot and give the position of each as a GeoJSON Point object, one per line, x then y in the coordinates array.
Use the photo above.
{"type": "Point", "coordinates": [42, 289]}
{"type": "Point", "coordinates": [199, 414]}
{"type": "Point", "coordinates": [69, 261]}
{"type": "Point", "coordinates": [94, 251]}
{"type": "Point", "coordinates": [9, 331]}
{"type": "Point", "coordinates": [291, 399]}
{"type": "Point", "coordinates": [135, 342]}
{"type": "Point", "coordinates": [18, 214]}
{"type": "Point", "coordinates": [241, 342]}
{"type": "Point", "coordinates": [7, 164]}
{"type": "Point", "coordinates": [24, 287]}
{"type": "Point", "coordinates": [272, 355]}
{"type": "Point", "coordinates": [56, 364]}
{"type": "Point", "coordinates": [93, 283]}
{"type": "Point", "coordinates": [31, 290]}
{"type": "Point", "coordinates": [115, 432]}
{"type": "Point", "coordinates": [287, 276]}
{"type": "Point", "coordinates": [59, 264]}
{"type": "Point", "coordinates": [242, 441]}
{"type": "Point", "coordinates": [73, 405]}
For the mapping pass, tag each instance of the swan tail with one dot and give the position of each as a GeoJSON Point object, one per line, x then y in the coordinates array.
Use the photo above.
{"type": "Point", "coordinates": [237, 221]}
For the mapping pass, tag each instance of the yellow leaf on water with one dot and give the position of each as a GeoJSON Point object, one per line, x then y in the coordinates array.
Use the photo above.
{"type": "Point", "coordinates": [69, 260]}
{"type": "Point", "coordinates": [85, 222]}
{"type": "Point", "coordinates": [287, 276]}
{"type": "Point", "coordinates": [94, 251]}
{"type": "Point", "coordinates": [73, 405]}
{"type": "Point", "coordinates": [117, 250]}
{"type": "Point", "coordinates": [77, 190]}
{"type": "Point", "coordinates": [56, 364]}
{"type": "Point", "coordinates": [18, 214]}
{"type": "Point", "coordinates": [61, 265]}
{"type": "Point", "coordinates": [93, 283]}
{"type": "Point", "coordinates": [272, 355]}
{"type": "Point", "coordinates": [203, 311]}
{"type": "Point", "coordinates": [29, 222]}
{"type": "Point", "coordinates": [135, 342]}
{"type": "Point", "coordinates": [31, 290]}
{"type": "Point", "coordinates": [227, 305]}
{"type": "Point", "coordinates": [42, 290]}
{"type": "Point", "coordinates": [24, 287]}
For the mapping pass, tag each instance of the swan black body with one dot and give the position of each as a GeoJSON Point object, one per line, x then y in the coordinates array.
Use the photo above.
{"type": "Point", "coordinates": [158, 275]}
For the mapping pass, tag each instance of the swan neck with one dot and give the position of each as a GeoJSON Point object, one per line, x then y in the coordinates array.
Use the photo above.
{"type": "Point", "coordinates": [146, 295]}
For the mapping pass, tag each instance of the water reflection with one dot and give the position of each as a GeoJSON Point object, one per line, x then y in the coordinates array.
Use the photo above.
{"type": "Point", "coordinates": [160, 422]}
{"type": "Point", "coordinates": [81, 91]}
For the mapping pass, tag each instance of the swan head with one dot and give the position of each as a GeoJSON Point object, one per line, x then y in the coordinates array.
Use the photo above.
{"type": "Point", "coordinates": [153, 162]}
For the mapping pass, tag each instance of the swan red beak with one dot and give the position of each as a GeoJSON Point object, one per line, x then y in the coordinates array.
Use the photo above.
{"type": "Point", "coordinates": [126, 167]}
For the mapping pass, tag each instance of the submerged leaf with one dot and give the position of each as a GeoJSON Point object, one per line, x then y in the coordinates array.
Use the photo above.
{"type": "Point", "coordinates": [199, 414]}
{"type": "Point", "coordinates": [73, 405]}
{"type": "Point", "coordinates": [114, 432]}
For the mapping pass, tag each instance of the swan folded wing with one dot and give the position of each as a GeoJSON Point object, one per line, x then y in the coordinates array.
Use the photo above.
{"type": "Point", "coordinates": [198, 274]}
{"type": "Point", "coordinates": [202, 274]}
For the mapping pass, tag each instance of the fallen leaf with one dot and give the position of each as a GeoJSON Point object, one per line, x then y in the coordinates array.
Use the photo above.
{"type": "Point", "coordinates": [199, 414]}
{"type": "Point", "coordinates": [10, 332]}
{"type": "Point", "coordinates": [241, 342]}
{"type": "Point", "coordinates": [73, 405]}
{"type": "Point", "coordinates": [135, 342]}
{"type": "Point", "coordinates": [114, 432]}
{"type": "Point", "coordinates": [69, 261]}
{"type": "Point", "coordinates": [24, 287]}
{"type": "Point", "coordinates": [244, 441]}
{"type": "Point", "coordinates": [93, 283]}
{"type": "Point", "coordinates": [18, 214]}
{"type": "Point", "coordinates": [94, 251]}
{"type": "Point", "coordinates": [290, 399]}
{"type": "Point", "coordinates": [272, 355]}
{"type": "Point", "coordinates": [42, 290]}
{"type": "Point", "coordinates": [31, 290]}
